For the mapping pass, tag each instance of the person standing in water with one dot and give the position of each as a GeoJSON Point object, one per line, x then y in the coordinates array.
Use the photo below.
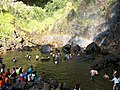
{"type": "Point", "coordinates": [116, 81]}
{"type": "Point", "coordinates": [14, 60]}
{"type": "Point", "coordinates": [106, 76]}
{"type": "Point", "coordinates": [93, 74]}
{"type": "Point", "coordinates": [37, 58]}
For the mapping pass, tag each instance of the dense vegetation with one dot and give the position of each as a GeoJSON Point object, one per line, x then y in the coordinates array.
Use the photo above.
{"type": "Point", "coordinates": [30, 18]}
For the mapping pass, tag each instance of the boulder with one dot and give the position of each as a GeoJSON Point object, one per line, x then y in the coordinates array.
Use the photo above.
{"type": "Point", "coordinates": [26, 48]}
{"type": "Point", "coordinates": [104, 52]}
{"type": "Point", "coordinates": [98, 65]}
{"type": "Point", "coordinates": [93, 49]}
{"type": "Point", "coordinates": [66, 48]}
{"type": "Point", "coordinates": [45, 48]}
{"type": "Point", "coordinates": [76, 49]}
{"type": "Point", "coordinates": [46, 86]}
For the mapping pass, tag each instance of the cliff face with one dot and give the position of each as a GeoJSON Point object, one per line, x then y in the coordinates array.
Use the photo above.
{"type": "Point", "coordinates": [86, 22]}
{"type": "Point", "coordinates": [79, 22]}
{"type": "Point", "coordinates": [111, 35]}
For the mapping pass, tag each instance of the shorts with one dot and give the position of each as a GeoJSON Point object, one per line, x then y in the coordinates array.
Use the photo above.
{"type": "Point", "coordinates": [117, 84]}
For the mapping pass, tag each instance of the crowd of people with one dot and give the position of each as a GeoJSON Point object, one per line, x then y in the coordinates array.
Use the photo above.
{"type": "Point", "coordinates": [12, 79]}
{"type": "Point", "coordinates": [16, 76]}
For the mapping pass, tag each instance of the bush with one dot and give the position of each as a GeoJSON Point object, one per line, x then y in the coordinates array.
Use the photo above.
{"type": "Point", "coordinates": [6, 28]}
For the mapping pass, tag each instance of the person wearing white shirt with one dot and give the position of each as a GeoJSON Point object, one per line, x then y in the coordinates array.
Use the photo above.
{"type": "Point", "coordinates": [116, 81]}
{"type": "Point", "coordinates": [37, 57]}
{"type": "Point", "coordinates": [93, 74]}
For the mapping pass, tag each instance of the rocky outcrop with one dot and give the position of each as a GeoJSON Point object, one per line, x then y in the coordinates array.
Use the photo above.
{"type": "Point", "coordinates": [109, 60]}
{"type": "Point", "coordinates": [66, 48]}
{"type": "Point", "coordinates": [110, 37]}
{"type": "Point", "coordinates": [93, 49]}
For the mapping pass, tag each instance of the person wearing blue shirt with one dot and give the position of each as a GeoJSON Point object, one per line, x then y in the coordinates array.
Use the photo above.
{"type": "Point", "coordinates": [30, 70]}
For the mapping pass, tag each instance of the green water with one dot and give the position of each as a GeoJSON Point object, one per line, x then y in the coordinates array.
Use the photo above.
{"type": "Point", "coordinates": [69, 72]}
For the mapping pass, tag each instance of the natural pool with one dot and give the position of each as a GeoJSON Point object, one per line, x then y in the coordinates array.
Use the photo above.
{"type": "Point", "coordinates": [70, 72]}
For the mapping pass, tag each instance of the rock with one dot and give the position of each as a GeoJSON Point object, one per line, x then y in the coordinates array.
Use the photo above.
{"type": "Point", "coordinates": [71, 15]}
{"type": "Point", "coordinates": [104, 52]}
{"type": "Point", "coordinates": [26, 48]}
{"type": "Point", "coordinates": [98, 65]}
{"type": "Point", "coordinates": [46, 86]}
{"type": "Point", "coordinates": [45, 48]}
{"type": "Point", "coordinates": [54, 84]}
{"type": "Point", "coordinates": [93, 48]}
{"type": "Point", "coordinates": [66, 48]}
{"type": "Point", "coordinates": [58, 88]}
{"type": "Point", "coordinates": [76, 49]}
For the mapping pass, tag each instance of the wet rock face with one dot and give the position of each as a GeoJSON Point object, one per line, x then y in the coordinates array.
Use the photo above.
{"type": "Point", "coordinates": [107, 61]}
{"type": "Point", "coordinates": [71, 15]}
{"type": "Point", "coordinates": [85, 22]}
{"type": "Point", "coordinates": [112, 32]}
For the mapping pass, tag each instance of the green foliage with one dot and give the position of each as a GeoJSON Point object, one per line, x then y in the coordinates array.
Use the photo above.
{"type": "Point", "coordinates": [40, 3]}
{"type": "Point", "coordinates": [33, 18]}
{"type": "Point", "coordinates": [27, 12]}
{"type": "Point", "coordinates": [6, 28]}
{"type": "Point", "coordinates": [37, 19]}
{"type": "Point", "coordinates": [54, 6]}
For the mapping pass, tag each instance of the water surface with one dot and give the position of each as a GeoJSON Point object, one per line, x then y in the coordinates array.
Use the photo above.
{"type": "Point", "coordinates": [70, 72]}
